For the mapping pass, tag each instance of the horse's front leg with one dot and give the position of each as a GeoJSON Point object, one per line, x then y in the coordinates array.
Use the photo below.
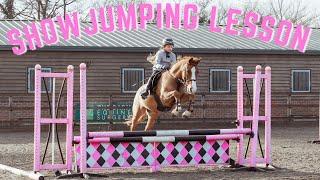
{"type": "Point", "coordinates": [189, 111]}
{"type": "Point", "coordinates": [177, 97]}
{"type": "Point", "coordinates": [177, 109]}
{"type": "Point", "coordinates": [152, 117]}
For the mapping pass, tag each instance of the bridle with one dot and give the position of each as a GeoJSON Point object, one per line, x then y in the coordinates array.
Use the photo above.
{"type": "Point", "coordinates": [184, 81]}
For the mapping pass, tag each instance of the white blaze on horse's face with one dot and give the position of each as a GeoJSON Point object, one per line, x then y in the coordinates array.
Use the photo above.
{"type": "Point", "coordinates": [193, 88]}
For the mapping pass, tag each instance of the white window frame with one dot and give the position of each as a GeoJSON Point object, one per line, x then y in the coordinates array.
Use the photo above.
{"type": "Point", "coordinates": [300, 70]}
{"type": "Point", "coordinates": [210, 79]}
{"type": "Point", "coordinates": [122, 77]}
{"type": "Point", "coordinates": [29, 80]}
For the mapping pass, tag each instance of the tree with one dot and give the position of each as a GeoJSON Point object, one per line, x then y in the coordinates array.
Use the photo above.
{"type": "Point", "coordinates": [102, 3]}
{"type": "Point", "coordinates": [204, 14]}
{"type": "Point", "coordinates": [42, 9]}
{"type": "Point", "coordinates": [9, 10]}
{"type": "Point", "coordinates": [294, 10]}
{"type": "Point", "coordinates": [251, 6]}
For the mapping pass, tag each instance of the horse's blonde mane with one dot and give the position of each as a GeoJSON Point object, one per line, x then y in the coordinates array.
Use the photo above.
{"type": "Point", "coordinates": [152, 58]}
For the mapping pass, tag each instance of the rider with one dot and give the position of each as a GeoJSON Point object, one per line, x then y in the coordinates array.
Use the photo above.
{"type": "Point", "coordinates": [164, 58]}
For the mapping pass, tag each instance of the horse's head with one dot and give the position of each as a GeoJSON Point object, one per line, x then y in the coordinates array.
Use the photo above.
{"type": "Point", "coordinates": [186, 70]}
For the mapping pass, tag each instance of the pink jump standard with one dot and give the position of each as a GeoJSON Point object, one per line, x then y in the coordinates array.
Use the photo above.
{"type": "Point", "coordinates": [98, 151]}
{"type": "Point", "coordinates": [39, 121]}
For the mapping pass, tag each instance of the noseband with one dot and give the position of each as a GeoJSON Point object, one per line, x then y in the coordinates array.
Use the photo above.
{"type": "Point", "coordinates": [183, 81]}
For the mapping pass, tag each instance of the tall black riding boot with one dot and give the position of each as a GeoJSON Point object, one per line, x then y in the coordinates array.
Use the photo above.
{"type": "Point", "coordinates": [149, 87]}
{"type": "Point", "coordinates": [146, 92]}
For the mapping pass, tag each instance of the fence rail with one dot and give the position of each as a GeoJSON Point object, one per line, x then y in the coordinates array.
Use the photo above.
{"type": "Point", "coordinates": [17, 110]}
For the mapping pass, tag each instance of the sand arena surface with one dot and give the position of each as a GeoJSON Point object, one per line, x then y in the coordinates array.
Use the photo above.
{"type": "Point", "coordinates": [290, 151]}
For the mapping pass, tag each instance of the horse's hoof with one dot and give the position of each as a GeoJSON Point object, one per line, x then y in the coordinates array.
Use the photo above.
{"type": "Point", "coordinates": [179, 109]}
{"type": "Point", "coordinates": [186, 114]}
{"type": "Point", "coordinates": [175, 113]}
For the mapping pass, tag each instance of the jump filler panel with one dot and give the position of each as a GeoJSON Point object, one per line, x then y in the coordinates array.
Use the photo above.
{"type": "Point", "coordinates": [140, 154]}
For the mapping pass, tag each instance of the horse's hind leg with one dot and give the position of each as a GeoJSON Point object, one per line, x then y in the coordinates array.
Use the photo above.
{"type": "Point", "coordinates": [152, 117]}
{"type": "Point", "coordinates": [137, 117]}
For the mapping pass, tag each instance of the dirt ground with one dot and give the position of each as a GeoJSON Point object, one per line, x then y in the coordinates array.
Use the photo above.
{"type": "Point", "coordinates": [295, 158]}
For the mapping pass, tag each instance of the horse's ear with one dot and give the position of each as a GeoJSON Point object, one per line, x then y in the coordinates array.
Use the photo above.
{"type": "Point", "coordinates": [194, 61]}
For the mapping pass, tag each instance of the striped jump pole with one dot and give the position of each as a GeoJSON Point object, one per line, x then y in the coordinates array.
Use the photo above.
{"type": "Point", "coordinates": [168, 133]}
{"type": "Point", "coordinates": [149, 139]}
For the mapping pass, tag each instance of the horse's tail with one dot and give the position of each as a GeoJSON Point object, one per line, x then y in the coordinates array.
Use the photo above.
{"type": "Point", "coordinates": [152, 59]}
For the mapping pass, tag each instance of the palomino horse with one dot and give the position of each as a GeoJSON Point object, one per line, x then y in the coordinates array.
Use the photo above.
{"type": "Point", "coordinates": [175, 86]}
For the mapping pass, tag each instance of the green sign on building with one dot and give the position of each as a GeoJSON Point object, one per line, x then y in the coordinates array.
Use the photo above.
{"type": "Point", "coordinates": [100, 112]}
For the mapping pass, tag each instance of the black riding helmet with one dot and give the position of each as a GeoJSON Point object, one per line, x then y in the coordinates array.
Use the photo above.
{"type": "Point", "coordinates": [167, 41]}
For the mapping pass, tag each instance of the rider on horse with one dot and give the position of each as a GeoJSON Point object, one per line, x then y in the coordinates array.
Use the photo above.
{"type": "Point", "coordinates": [163, 58]}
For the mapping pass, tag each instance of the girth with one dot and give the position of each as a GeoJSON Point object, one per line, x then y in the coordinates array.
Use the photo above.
{"type": "Point", "coordinates": [160, 106]}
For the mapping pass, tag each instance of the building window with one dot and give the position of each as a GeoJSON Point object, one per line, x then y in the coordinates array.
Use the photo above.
{"type": "Point", "coordinates": [132, 79]}
{"type": "Point", "coordinates": [220, 80]}
{"type": "Point", "coordinates": [31, 81]}
{"type": "Point", "coordinates": [300, 81]}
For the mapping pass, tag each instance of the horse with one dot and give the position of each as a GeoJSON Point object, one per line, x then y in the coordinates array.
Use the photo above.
{"type": "Point", "coordinates": [175, 86]}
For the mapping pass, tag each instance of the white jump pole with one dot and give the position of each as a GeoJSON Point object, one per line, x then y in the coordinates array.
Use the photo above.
{"type": "Point", "coordinates": [20, 172]}
{"type": "Point", "coordinates": [53, 117]}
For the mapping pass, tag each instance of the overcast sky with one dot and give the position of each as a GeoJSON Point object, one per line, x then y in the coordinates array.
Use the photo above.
{"type": "Point", "coordinates": [312, 3]}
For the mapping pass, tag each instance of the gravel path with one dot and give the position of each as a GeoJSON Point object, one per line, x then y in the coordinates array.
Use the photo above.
{"type": "Point", "coordinates": [290, 151]}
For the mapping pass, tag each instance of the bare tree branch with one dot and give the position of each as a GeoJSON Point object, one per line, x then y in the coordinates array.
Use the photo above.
{"type": "Point", "coordinates": [294, 10]}
{"type": "Point", "coordinates": [8, 9]}
{"type": "Point", "coordinates": [204, 14]}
